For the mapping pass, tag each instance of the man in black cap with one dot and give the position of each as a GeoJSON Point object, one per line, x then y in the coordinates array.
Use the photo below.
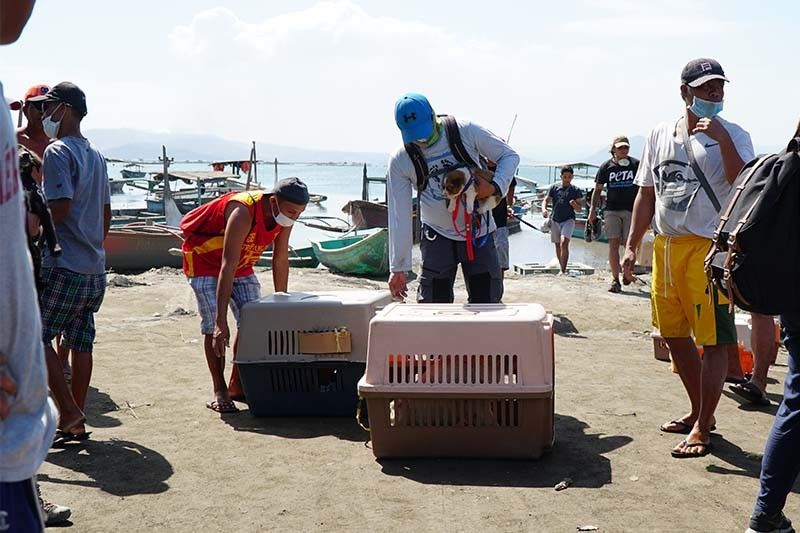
{"type": "Point", "coordinates": [686, 173]}
{"type": "Point", "coordinates": [223, 240]}
{"type": "Point", "coordinates": [75, 181]}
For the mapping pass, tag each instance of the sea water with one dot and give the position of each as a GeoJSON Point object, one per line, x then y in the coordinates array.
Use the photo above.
{"type": "Point", "coordinates": [343, 182]}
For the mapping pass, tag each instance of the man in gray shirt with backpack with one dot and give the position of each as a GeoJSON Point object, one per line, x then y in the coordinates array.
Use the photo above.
{"type": "Point", "coordinates": [434, 145]}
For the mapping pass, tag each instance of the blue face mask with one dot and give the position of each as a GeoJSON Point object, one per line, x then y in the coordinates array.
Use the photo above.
{"type": "Point", "coordinates": [705, 109]}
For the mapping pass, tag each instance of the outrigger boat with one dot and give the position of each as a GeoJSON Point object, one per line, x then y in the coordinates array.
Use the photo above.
{"type": "Point", "coordinates": [141, 246]}
{"type": "Point", "coordinates": [359, 254]}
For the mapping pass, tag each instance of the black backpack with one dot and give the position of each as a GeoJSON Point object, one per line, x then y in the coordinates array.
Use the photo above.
{"type": "Point", "coordinates": [755, 258]}
{"type": "Point", "coordinates": [456, 147]}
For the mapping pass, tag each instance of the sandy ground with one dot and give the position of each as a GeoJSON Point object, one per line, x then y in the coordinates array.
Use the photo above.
{"type": "Point", "coordinates": [160, 461]}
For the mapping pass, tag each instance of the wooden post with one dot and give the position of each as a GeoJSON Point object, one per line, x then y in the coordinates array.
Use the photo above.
{"type": "Point", "coordinates": [167, 192]}
{"type": "Point", "coordinates": [250, 168]}
{"type": "Point", "coordinates": [254, 163]}
{"type": "Point", "coordinates": [276, 171]}
{"type": "Point", "coordinates": [364, 185]}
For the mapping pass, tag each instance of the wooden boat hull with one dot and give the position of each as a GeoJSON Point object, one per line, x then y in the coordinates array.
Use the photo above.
{"type": "Point", "coordinates": [116, 186]}
{"type": "Point", "coordinates": [367, 215]}
{"type": "Point", "coordinates": [133, 174]}
{"type": "Point", "coordinates": [366, 254]}
{"type": "Point", "coordinates": [134, 249]}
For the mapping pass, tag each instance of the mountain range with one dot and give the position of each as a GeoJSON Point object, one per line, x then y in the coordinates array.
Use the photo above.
{"type": "Point", "coordinates": [134, 145]}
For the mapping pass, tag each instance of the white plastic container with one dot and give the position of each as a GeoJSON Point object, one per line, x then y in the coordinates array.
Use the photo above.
{"type": "Point", "coordinates": [282, 357]}
{"type": "Point", "coordinates": [270, 328]}
{"type": "Point", "coordinates": [453, 380]}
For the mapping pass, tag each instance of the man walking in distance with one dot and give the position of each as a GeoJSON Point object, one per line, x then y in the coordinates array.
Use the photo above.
{"type": "Point", "coordinates": [617, 174]}
{"type": "Point", "coordinates": [566, 199]}
{"type": "Point", "coordinates": [684, 192]}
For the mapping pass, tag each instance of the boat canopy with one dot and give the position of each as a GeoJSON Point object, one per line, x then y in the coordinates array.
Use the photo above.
{"type": "Point", "coordinates": [195, 175]}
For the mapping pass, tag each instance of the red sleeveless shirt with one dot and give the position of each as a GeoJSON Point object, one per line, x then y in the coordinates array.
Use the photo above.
{"type": "Point", "coordinates": [204, 233]}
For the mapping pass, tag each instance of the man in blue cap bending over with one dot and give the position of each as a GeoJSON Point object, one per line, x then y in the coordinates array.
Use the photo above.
{"type": "Point", "coordinates": [434, 146]}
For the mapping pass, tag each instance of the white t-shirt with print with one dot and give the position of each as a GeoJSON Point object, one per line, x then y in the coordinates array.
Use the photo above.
{"type": "Point", "coordinates": [26, 435]}
{"type": "Point", "coordinates": [682, 206]}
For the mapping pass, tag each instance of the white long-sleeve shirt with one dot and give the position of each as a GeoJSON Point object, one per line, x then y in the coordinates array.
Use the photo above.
{"type": "Point", "coordinates": [401, 180]}
{"type": "Point", "coordinates": [26, 435]}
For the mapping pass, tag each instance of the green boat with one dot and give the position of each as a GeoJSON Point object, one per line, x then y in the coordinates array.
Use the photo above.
{"type": "Point", "coordinates": [298, 258]}
{"type": "Point", "coordinates": [364, 253]}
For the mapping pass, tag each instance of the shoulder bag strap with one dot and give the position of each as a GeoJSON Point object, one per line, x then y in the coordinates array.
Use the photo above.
{"type": "Point", "coordinates": [696, 168]}
{"type": "Point", "coordinates": [420, 166]}
{"type": "Point", "coordinates": [456, 144]}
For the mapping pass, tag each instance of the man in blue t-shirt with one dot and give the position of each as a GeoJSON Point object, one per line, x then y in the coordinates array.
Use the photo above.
{"type": "Point", "coordinates": [566, 200]}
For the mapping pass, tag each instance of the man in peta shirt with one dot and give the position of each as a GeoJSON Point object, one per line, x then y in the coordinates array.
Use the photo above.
{"type": "Point", "coordinates": [617, 174]}
{"type": "Point", "coordinates": [682, 199]}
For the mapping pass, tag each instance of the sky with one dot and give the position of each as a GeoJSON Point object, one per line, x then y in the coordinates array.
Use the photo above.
{"type": "Point", "coordinates": [326, 74]}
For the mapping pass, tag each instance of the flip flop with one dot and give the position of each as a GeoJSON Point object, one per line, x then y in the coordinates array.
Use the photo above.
{"type": "Point", "coordinates": [705, 450]}
{"type": "Point", "coordinates": [682, 429]}
{"type": "Point", "coordinates": [735, 380]}
{"type": "Point", "coordinates": [222, 407]}
{"type": "Point", "coordinates": [62, 438]}
{"type": "Point", "coordinates": [750, 392]}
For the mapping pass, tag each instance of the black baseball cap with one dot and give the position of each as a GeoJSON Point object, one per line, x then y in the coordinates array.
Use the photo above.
{"type": "Point", "coordinates": [698, 71]}
{"type": "Point", "coordinates": [292, 190]}
{"type": "Point", "coordinates": [67, 93]}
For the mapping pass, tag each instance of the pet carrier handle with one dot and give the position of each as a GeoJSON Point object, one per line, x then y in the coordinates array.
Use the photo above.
{"type": "Point", "coordinates": [360, 420]}
{"type": "Point", "coordinates": [460, 312]}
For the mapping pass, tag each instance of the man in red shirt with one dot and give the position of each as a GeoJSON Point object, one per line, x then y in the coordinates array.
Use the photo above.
{"type": "Point", "coordinates": [224, 239]}
{"type": "Point", "coordinates": [32, 135]}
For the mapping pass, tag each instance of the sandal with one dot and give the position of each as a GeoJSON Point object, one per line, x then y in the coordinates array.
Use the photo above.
{"type": "Point", "coordinates": [222, 407]}
{"type": "Point", "coordinates": [750, 392]}
{"type": "Point", "coordinates": [705, 449]}
{"type": "Point", "coordinates": [62, 438]}
{"type": "Point", "coordinates": [682, 429]}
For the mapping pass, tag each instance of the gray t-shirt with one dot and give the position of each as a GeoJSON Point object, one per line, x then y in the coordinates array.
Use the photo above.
{"type": "Point", "coordinates": [26, 435]}
{"type": "Point", "coordinates": [75, 169]}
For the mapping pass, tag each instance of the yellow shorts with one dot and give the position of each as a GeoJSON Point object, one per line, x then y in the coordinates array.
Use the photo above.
{"type": "Point", "coordinates": [684, 303]}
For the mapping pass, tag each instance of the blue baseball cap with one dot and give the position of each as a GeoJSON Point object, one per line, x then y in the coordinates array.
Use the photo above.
{"type": "Point", "coordinates": [414, 116]}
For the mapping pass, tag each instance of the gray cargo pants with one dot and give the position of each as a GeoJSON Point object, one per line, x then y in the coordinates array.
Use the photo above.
{"type": "Point", "coordinates": [440, 259]}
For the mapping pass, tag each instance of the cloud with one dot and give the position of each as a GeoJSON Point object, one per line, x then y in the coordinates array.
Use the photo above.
{"type": "Point", "coordinates": [651, 20]}
{"type": "Point", "coordinates": [334, 58]}
{"type": "Point", "coordinates": [329, 27]}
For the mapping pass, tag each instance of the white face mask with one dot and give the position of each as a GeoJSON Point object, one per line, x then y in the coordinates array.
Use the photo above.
{"type": "Point", "coordinates": [624, 162]}
{"type": "Point", "coordinates": [280, 218]}
{"type": "Point", "coordinates": [51, 126]}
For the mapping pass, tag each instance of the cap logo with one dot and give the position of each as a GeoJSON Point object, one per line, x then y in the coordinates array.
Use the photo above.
{"type": "Point", "coordinates": [706, 66]}
{"type": "Point", "coordinates": [43, 90]}
{"type": "Point", "coordinates": [409, 117]}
